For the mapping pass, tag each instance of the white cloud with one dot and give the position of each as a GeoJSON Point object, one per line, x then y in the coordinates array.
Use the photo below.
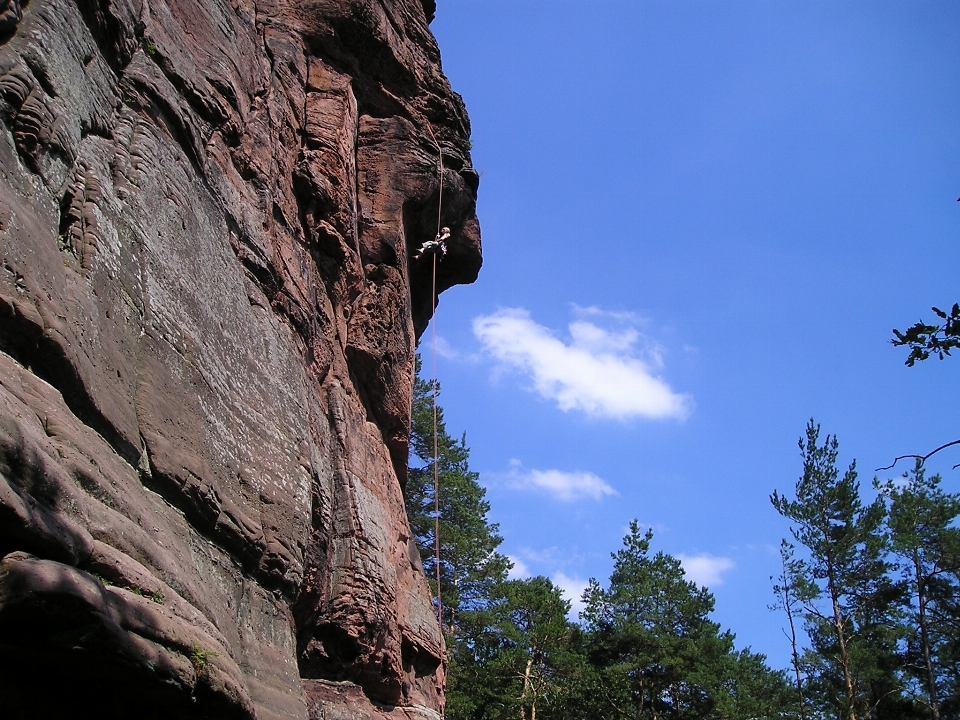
{"type": "Point", "coordinates": [564, 486]}
{"type": "Point", "coordinates": [600, 372]}
{"type": "Point", "coordinates": [570, 486]}
{"type": "Point", "coordinates": [705, 569]}
{"type": "Point", "coordinates": [520, 569]}
{"type": "Point", "coordinates": [572, 589]}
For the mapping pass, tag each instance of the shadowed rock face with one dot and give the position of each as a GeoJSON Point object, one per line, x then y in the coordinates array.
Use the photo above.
{"type": "Point", "coordinates": [208, 313]}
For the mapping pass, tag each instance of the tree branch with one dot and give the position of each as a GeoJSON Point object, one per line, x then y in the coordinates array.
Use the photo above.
{"type": "Point", "coordinates": [921, 458]}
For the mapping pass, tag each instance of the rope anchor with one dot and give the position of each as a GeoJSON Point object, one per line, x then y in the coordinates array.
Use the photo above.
{"type": "Point", "coordinates": [437, 246]}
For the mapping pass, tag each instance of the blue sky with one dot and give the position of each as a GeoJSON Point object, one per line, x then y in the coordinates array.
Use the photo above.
{"type": "Point", "coordinates": [701, 221]}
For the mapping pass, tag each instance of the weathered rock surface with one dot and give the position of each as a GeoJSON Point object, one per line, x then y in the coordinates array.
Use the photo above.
{"type": "Point", "coordinates": [208, 311]}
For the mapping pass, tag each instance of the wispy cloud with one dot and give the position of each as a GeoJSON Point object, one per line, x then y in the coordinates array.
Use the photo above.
{"type": "Point", "coordinates": [553, 555]}
{"type": "Point", "coordinates": [569, 486]}
{"type": "Point", "coordinates": [595, 311]}
{"type": "Point", "coordinates": [447, 351]}
{"type": "Point", "coordinates": [564, 486]}
{"type": "Point", "coordinates": [572, 589]}
{"type": "Point", "coordinates": [599, 371]}
{"type": "Point", "coordinates": [705, 569]}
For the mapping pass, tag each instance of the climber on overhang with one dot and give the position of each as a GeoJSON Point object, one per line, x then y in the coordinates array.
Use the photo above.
{"type": "Point", "coordinates": [437, 246]}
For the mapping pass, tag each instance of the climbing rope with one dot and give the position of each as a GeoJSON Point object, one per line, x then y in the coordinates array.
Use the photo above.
{"type": "Point", "coordinates": [433, 346]}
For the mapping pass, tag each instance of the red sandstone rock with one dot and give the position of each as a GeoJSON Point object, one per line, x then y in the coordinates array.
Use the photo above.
{"type": "Point", "coordinates": [208, 313]}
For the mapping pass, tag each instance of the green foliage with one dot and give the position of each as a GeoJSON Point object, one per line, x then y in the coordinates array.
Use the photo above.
{"type": "Point", "coordinates": [748, 688]}
{"type": "Point", "coordinates": [925, 340]}
{"type": "Point", "coordinates": [199, 657]}
{"type": "Point", "coordinates": [650, 632]}
{"type": "Point", "coordinates": [536, 656]}
{"type": "Point", "coordinates": [519, 663]}
{"type": "Point", "coordinates": [657, 653]}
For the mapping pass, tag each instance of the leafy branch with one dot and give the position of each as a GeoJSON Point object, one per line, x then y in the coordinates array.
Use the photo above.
{"type": "Point", "coordinates": [925, 340]}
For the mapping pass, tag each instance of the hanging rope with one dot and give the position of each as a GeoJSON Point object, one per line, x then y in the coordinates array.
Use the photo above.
{"type": "Point", "coordinates": [433, 346]}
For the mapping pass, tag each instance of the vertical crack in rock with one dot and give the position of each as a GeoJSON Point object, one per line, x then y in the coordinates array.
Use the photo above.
{"type": "Point", "coordinates": [209, 306]}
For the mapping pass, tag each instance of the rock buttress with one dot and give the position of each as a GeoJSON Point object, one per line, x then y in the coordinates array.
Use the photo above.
{"type": "Point", "coordinates": [208, 313]}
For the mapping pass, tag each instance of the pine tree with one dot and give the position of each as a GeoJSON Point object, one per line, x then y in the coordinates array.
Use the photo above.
{"type": "Point", "coordinates": [470, 566]}
{"type": "Point", "coordinates": [472, 572]}
{"type": "Point", "coordinates": [538, 633]}
{"type": "Point", "coordinates": [657, 654]}
{"type": "Point", "coordinates": [846, 593]}
{"type": "Point", "coordinates": [790, 589]}
{"type": "Point", "coordinates": [750, 690]}
{"type": "Point", "coordinates": [926, 542]}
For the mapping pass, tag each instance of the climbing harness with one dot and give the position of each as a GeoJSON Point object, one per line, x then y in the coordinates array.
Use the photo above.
{"type": "Point", "coordinates": [434, 247]}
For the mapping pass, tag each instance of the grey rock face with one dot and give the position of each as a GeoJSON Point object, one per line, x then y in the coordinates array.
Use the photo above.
{"type": "Point", "coordinates": [209, 304]}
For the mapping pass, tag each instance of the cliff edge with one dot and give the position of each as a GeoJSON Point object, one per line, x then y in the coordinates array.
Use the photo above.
{"type": "Point", "coordinates": [209, 304]}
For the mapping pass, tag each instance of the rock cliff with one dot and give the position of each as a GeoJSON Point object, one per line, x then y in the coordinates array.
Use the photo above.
{"type": "Point", "coordinates": [209, 304]}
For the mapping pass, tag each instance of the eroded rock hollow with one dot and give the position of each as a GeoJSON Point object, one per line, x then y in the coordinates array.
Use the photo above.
{"type": "Point", "coordinates": [209, 304]}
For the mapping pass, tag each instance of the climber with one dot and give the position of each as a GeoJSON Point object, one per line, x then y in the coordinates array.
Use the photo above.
{"type": "Point", "coordinates": [437, 246]}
